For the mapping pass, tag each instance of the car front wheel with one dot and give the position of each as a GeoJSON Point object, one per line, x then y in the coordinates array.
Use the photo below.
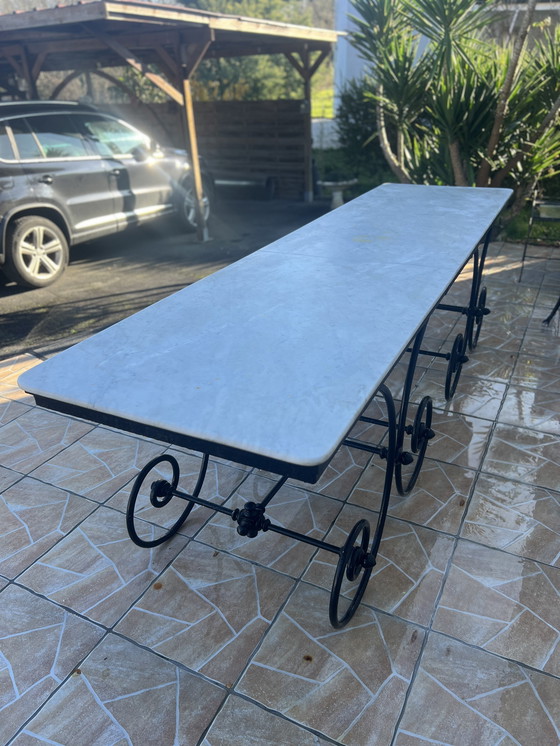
{"type": "Point", "coordinates": [188, 211]}
{"type": "Point", "coordinates": [36, 252]}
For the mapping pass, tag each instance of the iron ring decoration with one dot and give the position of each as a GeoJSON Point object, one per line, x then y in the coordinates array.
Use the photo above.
{"type": "Point", "coordinates": [481, 312]}
{"type": "Point", "coordinates": [161, 493]}
{"type": "Point", "coordinates": [454, 366]}
{"type": "Point", "coordinates": [355, 559]}
{"type": "Point", "coordinates": [421, 433]}
{"type": "Point", "coordinates": [352, 561]}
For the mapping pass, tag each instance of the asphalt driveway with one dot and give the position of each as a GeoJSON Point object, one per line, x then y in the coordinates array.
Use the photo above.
{"type": "Point", "coordinates": [112, 278]}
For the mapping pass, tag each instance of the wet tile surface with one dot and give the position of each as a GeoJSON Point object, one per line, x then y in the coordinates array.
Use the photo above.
{"type": "Point", "coordinates": [465, 697]}
{"type": "Point", "coordinates": [437, 501]}
{"type": "Point", "coordinates": [473, 396]}
{"type": "Point", "coordinates": [125, 695]}
{"type": "Point", "coordinates": [217, 639]}
{"type": "Point", "coordinates": [40, 644]}
{"type": "Point", "coordinates": [458, 439]}
{"type": "Point", "coordinates": [488, 364]}
{"type": "Point", "coordinates": [520, 518]}
{"type": "Point", "coordinates": [532, 408]}
{"type": "Point", "coordinates": [96, 570]}
{"type": "Point", "coordinates": [537, 372]}
{"type": "Point", "coordinates": [208, 611]}
{"type": "Point", "coordinates": [409, 572]}
{"type": "Point", "coordinates": [341, 474]}
{"type": "Point", "coordinates": [503, 603]}
{"type": "Point", "coordinates": [525, 455]}
{"type": "Point", "coordinates": [304, 666]}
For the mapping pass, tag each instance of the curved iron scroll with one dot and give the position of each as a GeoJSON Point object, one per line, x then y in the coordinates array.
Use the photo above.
{"type": "Point", "coordinates": [355, 559]}
{"type": "Point", "coordinates": [161, 493]}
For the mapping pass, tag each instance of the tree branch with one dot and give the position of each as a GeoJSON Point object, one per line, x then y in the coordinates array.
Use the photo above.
{"type": "Point", "coordinates": [393, 162]}
{"type": "Point", "coordinates": [503, 97]}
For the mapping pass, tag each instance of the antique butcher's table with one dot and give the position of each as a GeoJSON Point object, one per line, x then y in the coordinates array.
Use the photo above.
{"type": "Point", "coordinates": [270, 361]}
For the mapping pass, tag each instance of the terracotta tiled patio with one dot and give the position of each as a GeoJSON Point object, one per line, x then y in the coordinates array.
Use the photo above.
{"type": "Point", "coordinates": [218, 640]}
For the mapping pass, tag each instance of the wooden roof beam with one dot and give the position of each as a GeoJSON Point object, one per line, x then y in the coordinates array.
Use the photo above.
{"type": "Point", "coordinates": [131, 59]}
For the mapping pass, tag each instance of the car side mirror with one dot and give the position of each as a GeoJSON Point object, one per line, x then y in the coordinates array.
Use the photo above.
{"type": "Point", "coordinates": [139, 153]}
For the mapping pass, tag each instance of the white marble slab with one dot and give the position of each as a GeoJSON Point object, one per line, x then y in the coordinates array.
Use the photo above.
{"type": "Point", "coordinates": [276, 355]}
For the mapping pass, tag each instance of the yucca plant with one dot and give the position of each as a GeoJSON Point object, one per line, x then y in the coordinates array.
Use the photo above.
{"type": "Point", "coordinates": [453, 105]}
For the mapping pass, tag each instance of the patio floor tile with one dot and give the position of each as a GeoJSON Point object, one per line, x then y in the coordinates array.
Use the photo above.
{"type": "Point", "coordinates": [219, 483]}
{"type": "Point", "coordinates": [525, 455]}
{"type": "Point", "coordinates": [474, 396]}
{"type": "Point", "coordinates": [295, 509]}
{"type": "Point", "coordinates": [99, 464]}
{"type": "Point", "coordinates": [96, 570]}
{"type": "Point", "coordinates": [544, 343]}
{"type": "Point", "coordinates": [486, 363]}
{"type": "Point", "coordinates": [37, 436]}
{"type": "Point", "coordinates": [501, 338]}
{"type": "Point", "coordinates": [304, 666]}
{"type": "Point", "coordinates": [409, 572]}
{"type": "Point", "coordinates": [8, 477]}
{"type": "Point", "coordinates": [122, 694]}
{"type": "Point", "coordinates": [465, 697]}
{"type": "Point", "coordinates": [459, 439]}
{"type": "Point", "coordinates": [532, 408]}
{"type": "Point", "coordinates": [517, 517]}
{"type": "Point", "coordinates": [341, 474]}
{"type": "Point", "coordinates": [240, 723]}
{"type": "Point", "coordinates": [437, 501]}
{"type": "Point", "coordinates": [503, 603]}
{"type": "Point", "coordinates": [537, 372]}
{"type": "Point", "coordinates": [208, 611]}
{"type": "Point", "coordinates": [10, 370]}
{"type": "Point", "coordinates": [10, 410]}
{"type": "Point", "coordinates": [33, 517]}
{"type": "Point", "coordinates": [40, 644]}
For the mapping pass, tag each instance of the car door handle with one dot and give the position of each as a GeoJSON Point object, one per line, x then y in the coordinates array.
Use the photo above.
{"type": "Point", "coordinates": [6, 183]}
{"type": "Point", "coordinates": [46, 179]}
{"type": "Point", "coordinates": [116, 172]}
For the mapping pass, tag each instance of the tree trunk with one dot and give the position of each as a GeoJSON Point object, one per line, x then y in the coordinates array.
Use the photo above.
{"type": "Point", "coordinates": [390, 157]}
{"type": "Point", "coordinates": [546, 123]}
{"type": "Point", "coordinates": [457, 165]}
{"type": "Point", "coordinates": [483, 175]}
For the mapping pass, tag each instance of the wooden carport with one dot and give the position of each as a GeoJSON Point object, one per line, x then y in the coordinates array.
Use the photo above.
{"type": "Point", "coordinates": [99, 34]}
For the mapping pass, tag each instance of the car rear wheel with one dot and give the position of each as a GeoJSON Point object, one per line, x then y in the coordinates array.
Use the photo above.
{"type": "Point", "coordinates": [188, 211]}
{"type": "Point", "coordinates": [36, 252]}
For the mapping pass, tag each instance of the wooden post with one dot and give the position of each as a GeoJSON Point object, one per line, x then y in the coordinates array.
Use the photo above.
{"type": "Point", "coordinates": [307, 133]}
{"type": "Point", "coordinates": [191, 56]}
{"type": "Point", "coordinates": [307, 69]}
{"type": "Point", "coordinates": [201, 227]}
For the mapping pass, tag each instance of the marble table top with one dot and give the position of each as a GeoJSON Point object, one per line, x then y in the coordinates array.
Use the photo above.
{"type": "Point", "coordinates": [270, 360]}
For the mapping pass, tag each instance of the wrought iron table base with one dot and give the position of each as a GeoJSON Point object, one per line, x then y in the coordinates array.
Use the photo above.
{"type": "Point", "coordinates": [357, 557]}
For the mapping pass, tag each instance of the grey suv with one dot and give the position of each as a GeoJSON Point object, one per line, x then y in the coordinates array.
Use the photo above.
{"type": "Point", "coordinates": [69, 173]}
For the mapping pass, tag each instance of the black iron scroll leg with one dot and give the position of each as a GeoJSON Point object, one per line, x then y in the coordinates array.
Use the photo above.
{"type": "Point", "coordinates": [356, 559]}
{"type": "Point", "coordinates": [455, 365]}
{"type": "Point", "coordinates": [161, 493]}
{"type": "Point", "coordinates": [477, 305]}
{"type": "Point", "coordinates": [420, 431]}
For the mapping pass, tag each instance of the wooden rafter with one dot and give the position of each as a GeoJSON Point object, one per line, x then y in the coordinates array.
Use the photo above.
{"type": "Point", "coordinates": [132, 60]}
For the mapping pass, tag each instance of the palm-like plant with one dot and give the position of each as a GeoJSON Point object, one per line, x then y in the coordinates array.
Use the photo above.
{"type": "Point", "coordinates": [440, 86]}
